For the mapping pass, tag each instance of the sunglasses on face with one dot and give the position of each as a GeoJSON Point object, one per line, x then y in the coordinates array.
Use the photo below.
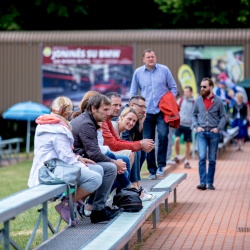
{"type": "Point", "coordinates": [204, 87]}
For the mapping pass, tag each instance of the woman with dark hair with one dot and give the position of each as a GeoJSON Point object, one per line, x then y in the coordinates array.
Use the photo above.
{"type": "Point", "coordinates": [54, 139]}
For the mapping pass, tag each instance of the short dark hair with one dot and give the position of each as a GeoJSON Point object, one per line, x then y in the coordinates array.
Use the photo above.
{"type": "Point", "coordinates": [210, 81]}
{"type": "Point", "coordinates": [96, 101]}
{"type": "Point", "coordinates": [137, 98]}
{"type": "Point", "coordinates": [113, 94]}
{"type": "Point", "coordinates": [147, 51]}
{"type": "Point", "coordinates": [189, 87]}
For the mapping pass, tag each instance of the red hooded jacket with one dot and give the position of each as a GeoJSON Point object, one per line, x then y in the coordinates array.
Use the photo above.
{"type": "Point", "coordinates": [170, 109]}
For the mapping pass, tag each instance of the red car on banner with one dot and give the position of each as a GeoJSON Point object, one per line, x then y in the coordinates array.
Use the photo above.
{"type": "Point", "coordinates": [107, 86]}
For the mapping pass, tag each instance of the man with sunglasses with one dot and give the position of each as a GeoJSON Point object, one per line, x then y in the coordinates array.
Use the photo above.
{"type": "Point", "coordinates": [209, 118]}
{"type": "Point", "coordinates": [154, 81]}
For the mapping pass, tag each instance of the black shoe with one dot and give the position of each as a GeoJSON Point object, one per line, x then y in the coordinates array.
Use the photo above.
{"type": "Point", "coordinates": [103, 215]}
{"type": "Point", "coordinates": [80, 209]}
{"type": "Point", "coordinates": [211, 187]}
{"type": "Point", "coordinates": [202, 187]}
{"type": "Point", "coordinates": [187, 165]}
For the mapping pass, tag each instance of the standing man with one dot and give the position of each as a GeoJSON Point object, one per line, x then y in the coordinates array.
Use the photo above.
{"type": "Point", "coordinates": [209, 117]}
{"type": "Point", "coordinates": [154, 80]}
{"type": "Point", "coordinates": [186, 104]}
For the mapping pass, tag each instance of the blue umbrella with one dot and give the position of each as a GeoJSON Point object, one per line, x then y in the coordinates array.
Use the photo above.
{"type": "Point", "coordinates": [26, 111]}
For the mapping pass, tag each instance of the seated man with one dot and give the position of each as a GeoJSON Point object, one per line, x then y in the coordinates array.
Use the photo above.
{"type": "Point", "coordinates": [137, 145]}
{"type": "Point", "coordinates": [135, 134]}
{"type": "Point", "coordinates": [84, 129]}
{"type": "Point", "coordinates": [110, 137]}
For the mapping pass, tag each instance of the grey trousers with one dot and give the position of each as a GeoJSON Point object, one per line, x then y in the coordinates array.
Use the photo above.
{"type": "Point", "coordinates": [102, 193]}
{"type": "Point", "coordinates": [91, 177]}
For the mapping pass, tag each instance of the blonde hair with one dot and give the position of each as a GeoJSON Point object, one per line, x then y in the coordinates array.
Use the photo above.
{"type": "Point", "coordinates": [128, 110]}
{"type": "Point", "coordinates": [84, 102]}
{"type": "Point", "coordinates": [61, 105]}
{"type": "Point", "coordinates": [239, 94]}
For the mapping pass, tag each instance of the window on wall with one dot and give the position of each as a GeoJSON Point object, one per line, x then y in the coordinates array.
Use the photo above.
{"type": "Point", "coordinates": [218, 62]}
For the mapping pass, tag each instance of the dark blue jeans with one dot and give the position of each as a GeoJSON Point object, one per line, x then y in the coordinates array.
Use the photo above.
{"type": "Point", "coordinates": [207, 141]}
{"type": "Point", "coordinates": [152, 122]}
{"type": "Point", "coordinates": [122, 180]}
{"type": "Point", "coordinates": [135, 174]}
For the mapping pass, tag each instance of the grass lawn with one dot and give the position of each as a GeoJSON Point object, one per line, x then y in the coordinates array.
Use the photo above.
{"type": "Point", "coordinates": [13, 178]}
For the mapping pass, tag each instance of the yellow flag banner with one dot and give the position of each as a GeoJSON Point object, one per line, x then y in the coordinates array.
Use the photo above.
{"type": "Point", "coordinates": [187, 78]}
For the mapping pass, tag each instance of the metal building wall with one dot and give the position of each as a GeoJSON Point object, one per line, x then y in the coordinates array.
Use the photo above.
{"type": "Point", "coordinates": [20, 74]}
{"type": "Point", "coordinates": [20, 53]}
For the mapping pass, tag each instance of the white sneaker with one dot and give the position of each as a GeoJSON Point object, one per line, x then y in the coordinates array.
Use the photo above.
{"type": "Point", "coordinates": [170, 162]}
{"type": "Point", "coordinates": [109, 203]}
{"type": "Point", "coordinates": [87, 212]}
{"type": "Point", "coordinates": [148, 197]}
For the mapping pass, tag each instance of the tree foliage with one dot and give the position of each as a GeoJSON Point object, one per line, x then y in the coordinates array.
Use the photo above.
{"type": "Point", "coordinates": [111, 14]}
{"type": "Point", "coordinates": [207, 13]}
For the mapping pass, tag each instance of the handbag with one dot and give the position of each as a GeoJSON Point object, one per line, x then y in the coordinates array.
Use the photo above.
{"type": "Point", "coordinates": [128, 199]}
{"type": "Point", "coordinates": [56, 171]}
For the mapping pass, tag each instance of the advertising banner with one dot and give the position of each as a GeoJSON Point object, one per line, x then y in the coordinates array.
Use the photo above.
{"type": "Point", "coordinates": [73, 70]}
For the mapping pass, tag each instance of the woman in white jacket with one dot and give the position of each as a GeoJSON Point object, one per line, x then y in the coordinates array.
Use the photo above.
{"type": "Point", "coordinates": [54, 139]}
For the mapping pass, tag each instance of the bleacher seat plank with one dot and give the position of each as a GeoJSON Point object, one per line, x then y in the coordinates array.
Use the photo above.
{"type": "Point", "coordinates": [121, 230]}
{"type": "Point", "coordinates": [170, 182]}
{"type": "Point", "coordinates": [19, 202]}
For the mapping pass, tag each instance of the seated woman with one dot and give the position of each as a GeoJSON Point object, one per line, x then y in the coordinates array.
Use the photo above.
{"type": "Point", "coordinates": [54, 139]}
{"type": "Point", "coordinates": [127, 121]}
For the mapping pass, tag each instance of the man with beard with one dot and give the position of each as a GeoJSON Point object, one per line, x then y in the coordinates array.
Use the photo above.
{"type": "Point", "coordinates": [209, 117]}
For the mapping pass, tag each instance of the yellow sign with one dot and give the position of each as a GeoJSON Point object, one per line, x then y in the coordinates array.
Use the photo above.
{"type": "Point", "coordinates": [187, 78]}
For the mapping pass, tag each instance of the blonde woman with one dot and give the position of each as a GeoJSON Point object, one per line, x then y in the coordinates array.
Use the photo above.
{"type": "Point", "coordinates": [127, 121]}
{"type": "Point", "coordinates": [54, 139]}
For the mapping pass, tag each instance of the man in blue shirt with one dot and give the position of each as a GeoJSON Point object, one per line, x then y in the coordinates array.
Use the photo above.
{"type": "Point", "coordinates": [154, 80]}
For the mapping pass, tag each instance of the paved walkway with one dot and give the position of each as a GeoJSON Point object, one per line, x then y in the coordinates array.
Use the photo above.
{"type": "Point", "coordinates": [207, 219]}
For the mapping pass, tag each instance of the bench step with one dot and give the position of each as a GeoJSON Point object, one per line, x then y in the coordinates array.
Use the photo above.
{"type": "Point", "coordinates": [17, 203]}
{"type": "Point", "coordinates": [94, 236]}
{"type": "Point", "coordinates": [170, 182]}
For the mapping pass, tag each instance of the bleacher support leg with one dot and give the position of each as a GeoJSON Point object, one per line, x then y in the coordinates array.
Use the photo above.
{"type": "Point", "coordinates": [166, 205]}
{"type": "Point", "coordinates": [126, 246]}
{"type": "Point", "coordinates": [156, 216]}
{"type": "Point", "coordinates": [139, 235]}
{"type": "Point", "coordinates": [45, 221]}
{"type": "Point", "coordinates": [175, 195]}
{"type": "Point", "coordinates": [6, 235]}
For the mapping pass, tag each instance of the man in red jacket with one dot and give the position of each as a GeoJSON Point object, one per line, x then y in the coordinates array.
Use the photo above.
{"type": "Point", "coordinates": [110, 137]}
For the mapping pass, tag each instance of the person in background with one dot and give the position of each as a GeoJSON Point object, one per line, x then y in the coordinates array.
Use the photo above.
{"type": "Point", "coordinates": [154, 81]}
{"type": "Point", "coordinates": [54, 139]}
{"type": "Point", "coordinates": [239, 119]}
{"type": "Point", "coordinates": [84, 129]}
{"type": "Point", "coordinates": [209, 117]}
{"type": "Point", "coordinates": [186, 104]}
